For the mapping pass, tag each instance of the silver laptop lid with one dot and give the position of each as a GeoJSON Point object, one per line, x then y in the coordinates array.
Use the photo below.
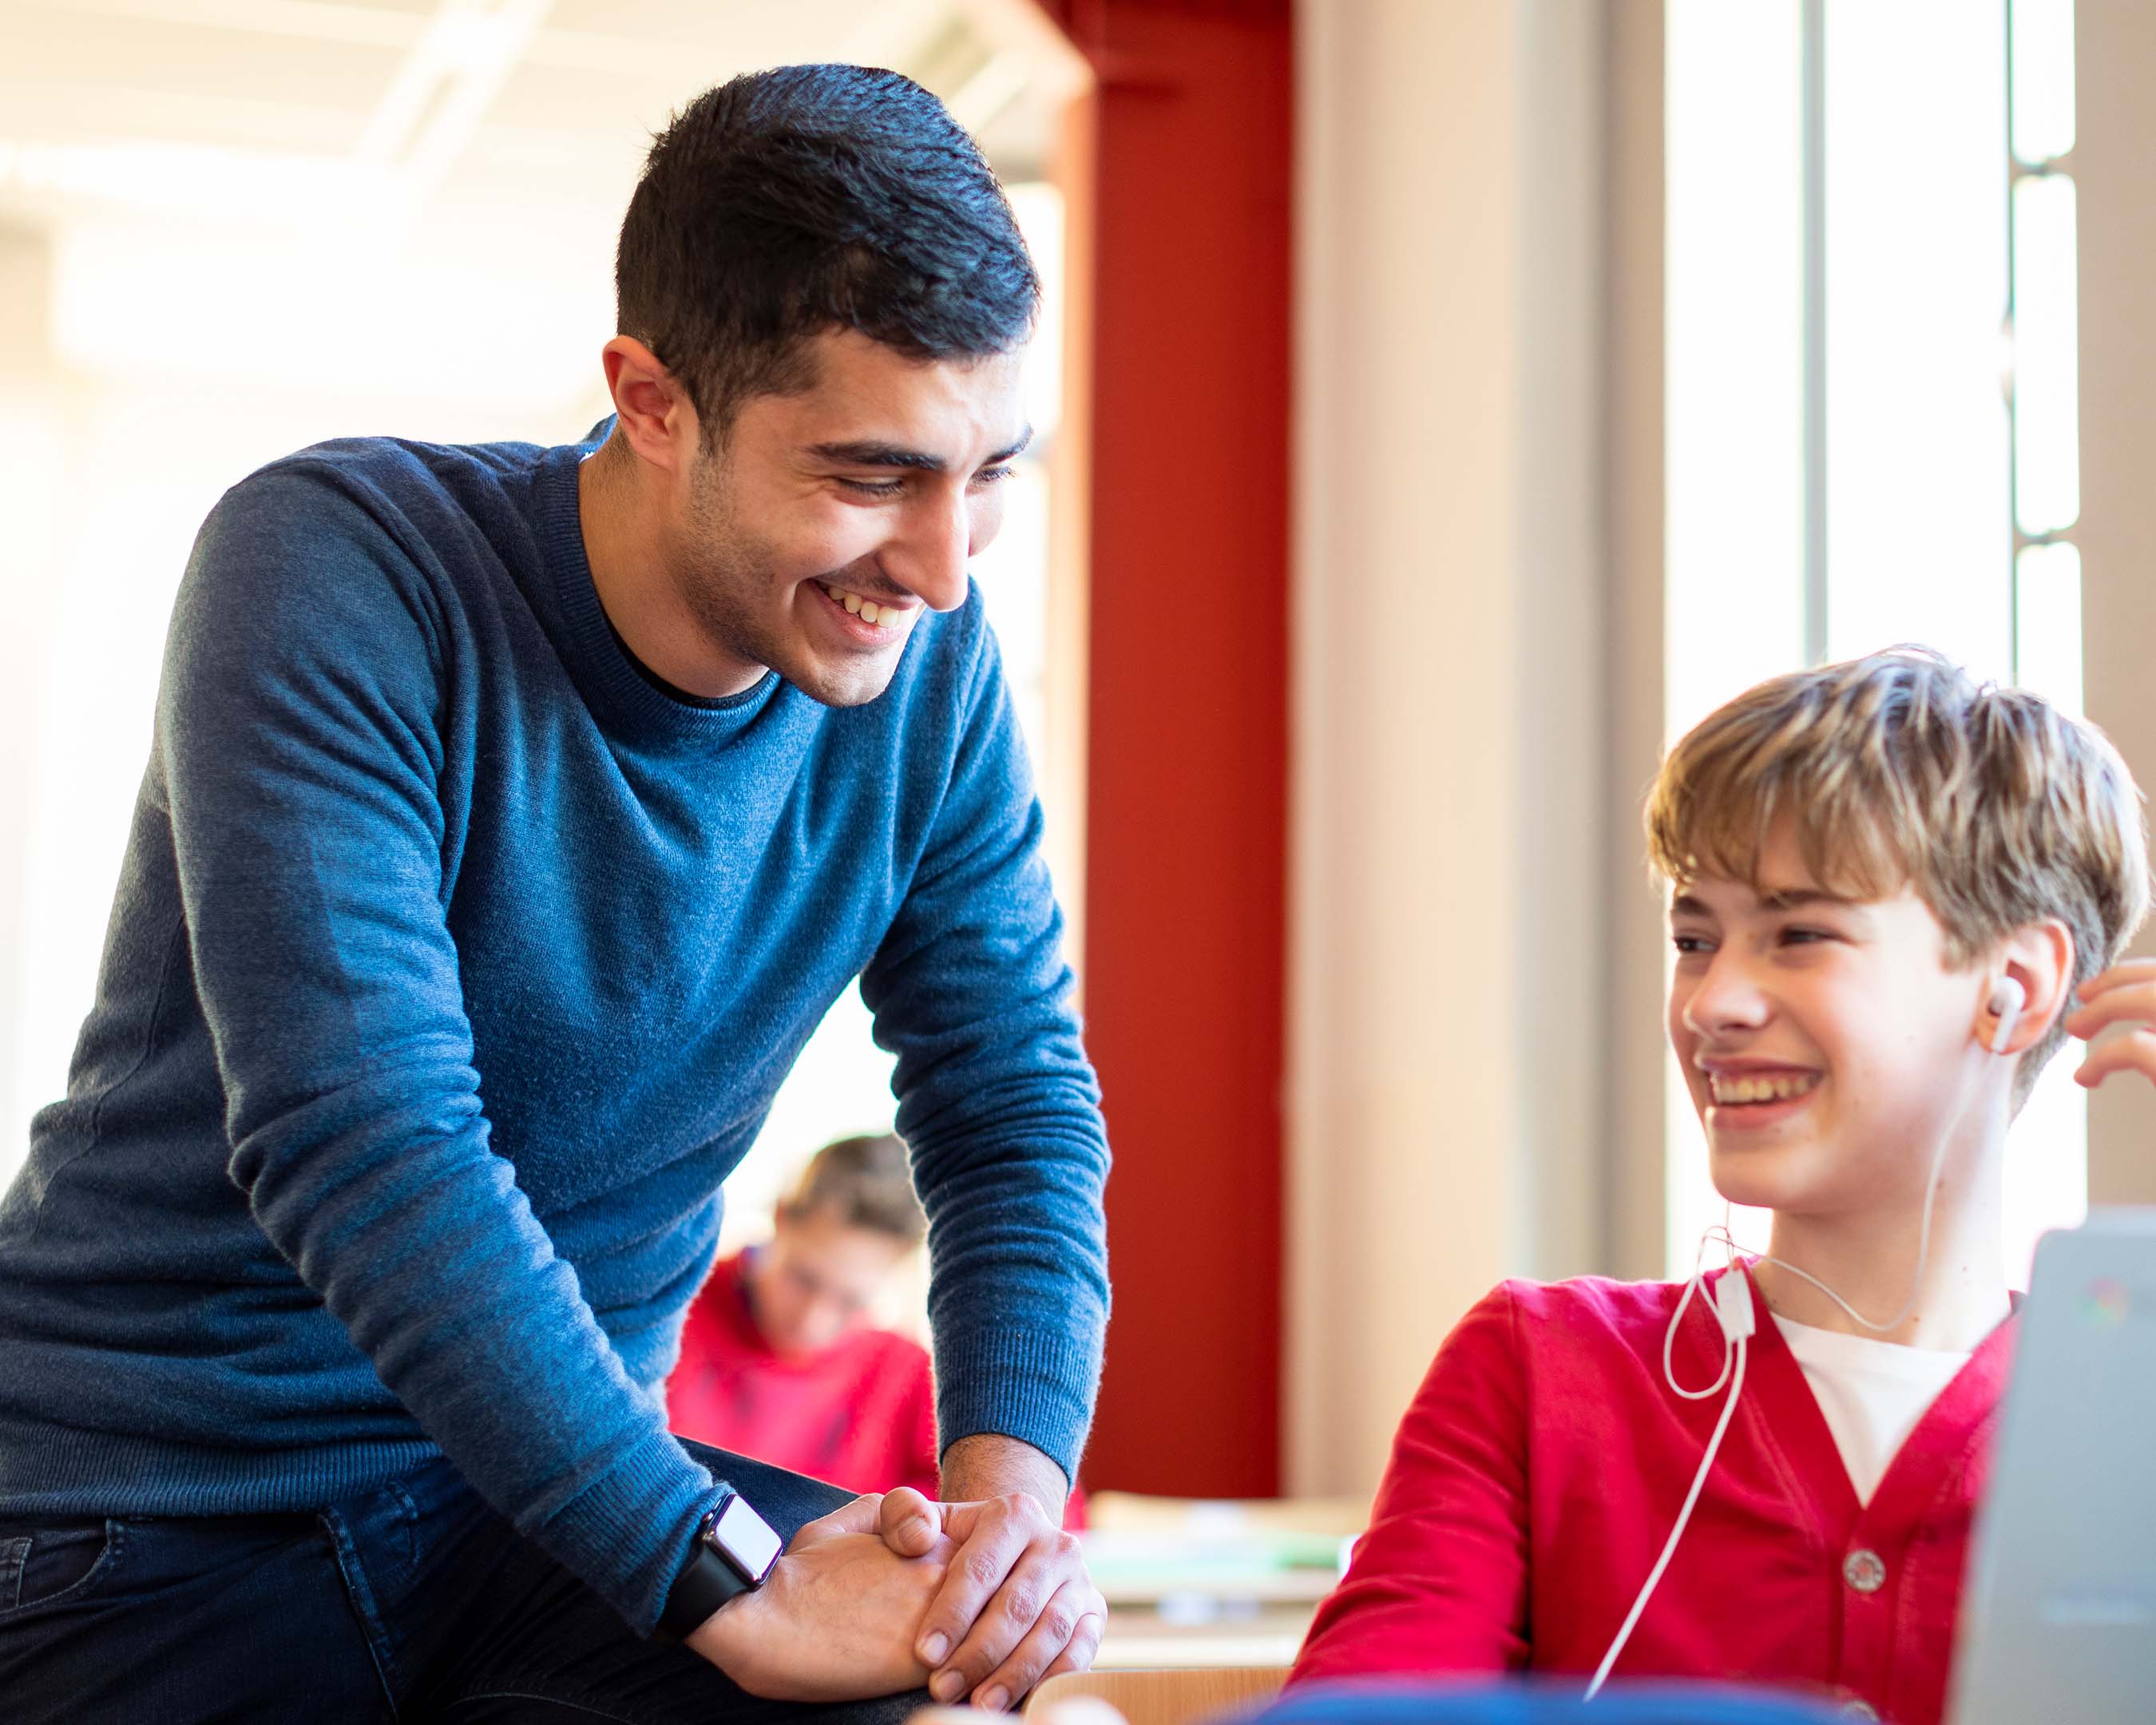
{"type": "Point", "coordinates": [2059, 1623]}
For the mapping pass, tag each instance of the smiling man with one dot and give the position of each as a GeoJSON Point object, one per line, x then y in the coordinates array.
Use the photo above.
{"type": "Point", "coordinates": [513, 816]}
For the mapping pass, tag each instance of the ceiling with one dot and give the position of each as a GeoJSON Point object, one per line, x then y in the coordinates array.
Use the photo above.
{"type": "Point", "coordinates": [484, 138]}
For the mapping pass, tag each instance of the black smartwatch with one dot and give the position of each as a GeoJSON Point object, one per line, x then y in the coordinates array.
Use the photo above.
{"type": "Point", "coordinates": [733, 1551]}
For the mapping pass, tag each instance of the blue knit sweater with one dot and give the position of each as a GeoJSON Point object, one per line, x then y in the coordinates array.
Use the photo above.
{"type": "Point", "coordinates": [454, 964]}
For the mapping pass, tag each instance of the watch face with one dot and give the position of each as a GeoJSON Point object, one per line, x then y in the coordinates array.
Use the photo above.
{"type": "Point", "coordinates": [745, 1540]}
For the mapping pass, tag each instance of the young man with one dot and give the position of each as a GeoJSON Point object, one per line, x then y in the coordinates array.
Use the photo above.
{"type": "Point", "coordinates": [779, 1358]}
{"type": "Point", "coordinates": [1867, 862]}
{"type": "Point", "coordinates": [513, 816]}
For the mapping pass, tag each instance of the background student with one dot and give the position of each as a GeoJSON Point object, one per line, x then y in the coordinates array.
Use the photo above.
{"type": "Point", "coordinates": [779, 1358]}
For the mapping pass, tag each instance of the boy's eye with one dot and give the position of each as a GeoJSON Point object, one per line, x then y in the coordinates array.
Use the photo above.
{"type": "Point", "coordinates": [1691, 943]}
{"type": "Point", "coordinates": [1806, 937]}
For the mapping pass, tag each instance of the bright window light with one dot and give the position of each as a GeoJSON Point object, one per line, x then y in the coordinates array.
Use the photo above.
{"type": "Point", "coordinates": [2048, 624]}
{"type": "Point", "coordinates": [1735, 383]}
{"type": "Point", "coordinates": [1919, 541]}
{"type": "Point", "coordinates": [2042, 37]}
{"type": "Point", "coordinates": [2047, 466]}
{"type": "Point", "coordinates": [1927, 471]}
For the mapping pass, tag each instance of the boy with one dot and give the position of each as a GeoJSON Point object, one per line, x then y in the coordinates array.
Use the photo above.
{"type": "Point", "coordinates": [779, 1358]}
{"type": "Point", "coordinates": [1865, 860]}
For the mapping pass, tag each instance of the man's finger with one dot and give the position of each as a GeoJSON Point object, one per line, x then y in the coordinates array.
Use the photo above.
{"type": "Point", "coordinates": [911, 1524]}
{"type": "Point", "coordinates": [1085, 1644]}
{"type": "Point", "coordinates": [993, 1545]}
{"type": "Point", "coordinates": [1027, 1594]}
{"type": "Point", "coordinates": [2136, 1053]}
{"type": "Point", "coordinates": [1052, 1635]}
{"type": "Point", "coordinates": [859, 1517]}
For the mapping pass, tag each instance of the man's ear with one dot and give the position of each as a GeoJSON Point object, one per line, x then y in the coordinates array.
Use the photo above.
{"type": "Point", "coordinates": [2040, 959]}
{"type": "Point", "coordinates": [655, 414]}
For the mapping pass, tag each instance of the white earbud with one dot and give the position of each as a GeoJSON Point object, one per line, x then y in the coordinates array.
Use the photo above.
{"type": "Point", "coordinates": [2008, 998]}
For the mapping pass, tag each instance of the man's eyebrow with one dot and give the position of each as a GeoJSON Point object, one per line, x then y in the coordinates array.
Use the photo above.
{"type": "Point", "coordinates": [870, 452]}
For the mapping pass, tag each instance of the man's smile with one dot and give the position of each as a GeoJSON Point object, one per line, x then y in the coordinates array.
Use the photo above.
{"type": "Point", "coordinates": [869, 620]}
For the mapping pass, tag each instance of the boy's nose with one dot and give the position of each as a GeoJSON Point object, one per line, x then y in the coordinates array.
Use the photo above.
{"type": "Point", "coordinates": [1728, 998]}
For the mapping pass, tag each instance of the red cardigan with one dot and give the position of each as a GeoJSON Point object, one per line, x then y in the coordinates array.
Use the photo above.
{"type": "Point", "coordinates": [1543, 1462]}
{"type": "Point", "coordinates": [861, 1414]}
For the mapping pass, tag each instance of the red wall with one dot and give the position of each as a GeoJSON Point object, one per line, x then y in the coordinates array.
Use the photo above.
{"type": "Point", "coordinates": [1184, 155]}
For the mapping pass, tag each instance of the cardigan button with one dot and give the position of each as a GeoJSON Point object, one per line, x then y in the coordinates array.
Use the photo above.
{"type": "Point", "coordinates": [1864, 1570]}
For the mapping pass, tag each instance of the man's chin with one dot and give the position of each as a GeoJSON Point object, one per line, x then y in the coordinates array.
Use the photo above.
{"type": "Point", "coordinates": [848, 682]}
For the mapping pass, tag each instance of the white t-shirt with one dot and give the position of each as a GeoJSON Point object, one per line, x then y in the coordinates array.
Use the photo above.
{"type": "Point", "coordinates": [1872, 1392]}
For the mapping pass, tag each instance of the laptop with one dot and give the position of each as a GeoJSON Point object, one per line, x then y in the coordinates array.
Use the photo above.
{"type": "Point", "coordinates": [2059, 1622]}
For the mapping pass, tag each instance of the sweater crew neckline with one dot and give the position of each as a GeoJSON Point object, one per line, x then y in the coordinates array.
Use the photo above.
{"type": "Point", "coordinates": [598, 658]}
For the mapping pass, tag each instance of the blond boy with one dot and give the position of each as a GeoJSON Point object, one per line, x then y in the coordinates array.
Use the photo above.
{"type": "Point", "coordinates": [1867, 863]}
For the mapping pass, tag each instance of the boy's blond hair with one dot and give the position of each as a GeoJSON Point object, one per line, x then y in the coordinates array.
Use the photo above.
{"type": "Point", "coordinates": [1901, 769]}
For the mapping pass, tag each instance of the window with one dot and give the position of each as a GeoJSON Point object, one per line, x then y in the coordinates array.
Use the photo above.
{"type": "Point", "coordinates": [1872, 394]}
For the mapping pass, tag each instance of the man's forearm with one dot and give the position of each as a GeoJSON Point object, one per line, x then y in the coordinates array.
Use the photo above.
{"type": "Point", "coordinates": [988, 1465]}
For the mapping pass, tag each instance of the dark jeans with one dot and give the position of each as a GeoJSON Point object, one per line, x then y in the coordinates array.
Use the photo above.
{"type": "Point", "coordinates": [413, 1602]}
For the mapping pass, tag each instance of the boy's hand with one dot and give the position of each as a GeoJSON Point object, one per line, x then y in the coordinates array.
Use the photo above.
{"type": "Point", "coordinates": [1018, 1606]}
{"type": "Point", "coordinates": [2124, 994]}
{"type": "Point", "coordinates": [836, 1619]}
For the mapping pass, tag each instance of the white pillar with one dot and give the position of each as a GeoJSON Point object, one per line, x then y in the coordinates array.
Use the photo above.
{"type": "Point", "coordinates": [1450, 970]}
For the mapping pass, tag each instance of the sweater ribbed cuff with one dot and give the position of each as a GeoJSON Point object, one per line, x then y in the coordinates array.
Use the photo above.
{"type": "Point", "coordinates": [628, 1533]}
{"type": "Point", "coordinates": [1036, 1386]}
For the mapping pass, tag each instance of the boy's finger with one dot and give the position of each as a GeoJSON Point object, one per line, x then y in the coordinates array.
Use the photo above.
{"type": "Point", "coordinates": [2125, 971]}
{"type": "Point", "coordinates": [2134, 1053]}
{"type": "Point", "coordinates": [2121, 1005]}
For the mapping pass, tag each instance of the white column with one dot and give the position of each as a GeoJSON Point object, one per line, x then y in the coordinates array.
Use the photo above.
{"type": "Point", "coordinates": [1454, 731]}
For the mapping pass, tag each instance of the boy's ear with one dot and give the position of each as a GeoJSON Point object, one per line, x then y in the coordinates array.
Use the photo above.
{"type": "Point", "coordinates": [2041, 957]}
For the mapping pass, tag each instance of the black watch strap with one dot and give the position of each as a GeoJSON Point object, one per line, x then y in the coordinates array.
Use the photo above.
{"type": "Point", "coordinates": [732, 1551]}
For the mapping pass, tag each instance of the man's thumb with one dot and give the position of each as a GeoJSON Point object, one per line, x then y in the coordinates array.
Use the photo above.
{"type": "Point", "coordinates": [909, 1522]}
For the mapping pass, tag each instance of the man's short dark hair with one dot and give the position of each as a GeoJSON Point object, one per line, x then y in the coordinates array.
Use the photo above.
{"type": "Point", "coordinates": [785, 203]}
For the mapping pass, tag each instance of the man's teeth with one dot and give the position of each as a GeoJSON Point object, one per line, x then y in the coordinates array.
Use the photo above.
{"type": "Point", "coordinates": [1777, 1089]}
{"type": "Point", "coordinates": [867, 609]}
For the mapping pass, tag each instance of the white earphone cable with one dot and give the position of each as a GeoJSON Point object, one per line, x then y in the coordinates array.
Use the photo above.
{"type": "Point", "coordinates": [1732, 1302]}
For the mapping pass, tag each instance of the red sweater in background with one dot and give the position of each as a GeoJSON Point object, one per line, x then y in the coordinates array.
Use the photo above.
{"type": "Point", "coordinates": [1543, 1465]}
{"type": "Point", "coordinates": [861, 1414]}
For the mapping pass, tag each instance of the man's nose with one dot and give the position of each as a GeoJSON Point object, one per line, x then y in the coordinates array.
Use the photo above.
{"type": "Point", "coordinates": [929, 557]}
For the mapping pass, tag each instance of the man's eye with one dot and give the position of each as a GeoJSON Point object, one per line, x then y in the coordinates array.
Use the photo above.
{"type": "Point", "coordinates": [991, 475]}
{"type": "Point", "coordinates": [873, 488]}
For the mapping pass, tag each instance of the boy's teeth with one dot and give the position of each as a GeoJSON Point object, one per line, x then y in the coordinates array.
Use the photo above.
{"type": "Point", "coordinates": [1761, 1089]}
